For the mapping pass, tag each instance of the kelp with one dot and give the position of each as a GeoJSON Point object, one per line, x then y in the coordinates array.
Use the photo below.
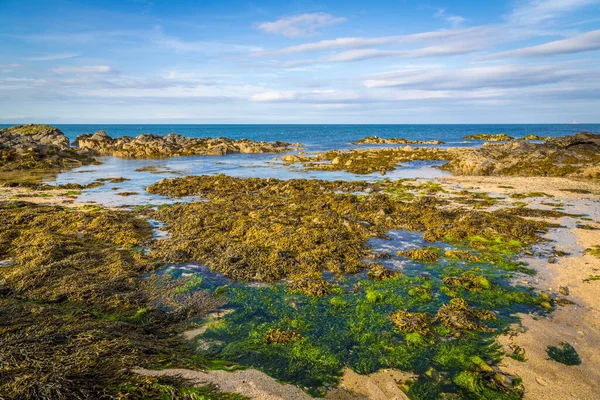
{"type": "Point", "coordinates": [269, 229]}
{"type": "Point", "coordinates": [366, 161]}
{"type": "Point", "coordinates": [76, 313]}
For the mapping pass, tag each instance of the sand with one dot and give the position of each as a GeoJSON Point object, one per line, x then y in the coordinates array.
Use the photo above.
{"type": "Point", "coordinates": [577, 324]}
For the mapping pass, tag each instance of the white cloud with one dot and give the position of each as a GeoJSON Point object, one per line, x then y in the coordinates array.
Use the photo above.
{"type": "Point", "coordinates": [450, 49]}
{"type": "Point", "coordinates": [52, 57]}
{"type": "Point", "coordinates": [180, 46]}
{"type": "Point", "coordinates": [531, 12]}
{"type": "Point", "coordinates": [585, 42]}
{"type": "Point", "coordinates": [301, 25]}
{"type": "Point", "coordinates": [89, 69]}
{"type": "Point", "coordinates": [312, 96]}
{"type": "Point", "coordinates": [501, 76]}
{"type": "Point", "coordinates": [352, 43]}
{"type": "Point", "coordinates": [454, 20]}
{"type": "Point", "coordinates": [7, 68]}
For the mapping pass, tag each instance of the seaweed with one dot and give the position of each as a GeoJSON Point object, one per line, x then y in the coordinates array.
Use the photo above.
{"type": "Point", "coordinates": [77, 313]}
{"type": "Point", "coordinates": [564, 354]}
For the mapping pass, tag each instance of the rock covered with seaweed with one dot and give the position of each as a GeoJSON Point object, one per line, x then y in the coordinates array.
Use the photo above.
{"type": "Point", "coordinates": [38, 147]}
{"type": "Point", "coordinates": [366, 161]}
{"type": "Point", "coordinates": [577, 155]}
{"type": "Point", "coordinates": [172, 145]}
{"type": "Point", "coordinates": [379, 140]}
{"type": "Point", "coordinates": [79, 307]}
{"type": "Point", "coordinates": [270, 229]}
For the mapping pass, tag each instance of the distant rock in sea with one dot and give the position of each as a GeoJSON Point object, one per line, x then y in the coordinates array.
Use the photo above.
{"type": "Point", "coordinates": [172, 145]}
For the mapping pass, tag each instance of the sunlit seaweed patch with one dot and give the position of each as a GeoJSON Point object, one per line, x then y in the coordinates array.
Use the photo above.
{"type": "Point", "coordinates": [269, 229]}
{"type": "Point", "coordinates": [367, 325]}
{"type": "Point", "coordinates": [76, 313]}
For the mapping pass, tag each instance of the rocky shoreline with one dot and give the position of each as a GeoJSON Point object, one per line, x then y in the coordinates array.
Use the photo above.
{"type": "Point", "coordinates": [38, 147]}
{"type": "Point", "coordinates": [43, 147]}
{"type": "Point", "coordinates": [342, 289]}
{"type": "Point", "coordinates": [172, 145]}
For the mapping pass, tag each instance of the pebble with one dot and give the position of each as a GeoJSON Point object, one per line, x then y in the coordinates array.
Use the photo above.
{"type": "Point", "coordinates": [541, 381]}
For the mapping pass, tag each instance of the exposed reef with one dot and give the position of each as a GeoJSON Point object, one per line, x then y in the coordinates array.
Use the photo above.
{"type": "Point", "coordinates": [366, 161]}
{"type": "Point", "coordinates": [379, 140]}
{"type": "Point", "coordinates": [489, 137]}
{"type": "Point", "coordinates": [269, 229]}
{"type": "Point", "coordinates": [76, 313]}
{"type": "Point", "coordinates": [577, 155]}
{"type": "Point", "coordinates": [172, 145]}
{"type": "Point", "coordinates": [38, 147]}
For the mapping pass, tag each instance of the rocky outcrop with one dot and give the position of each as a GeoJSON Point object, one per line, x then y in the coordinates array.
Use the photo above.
{"type": "Point", "coordinates": [490, 137]}
{"type": "Point", "coordinates": [366, 161]}
{"type": "Point", "coordinates": [577, 155]}
{"type": "Point", "coordinates": [172, 145]}
{"type": "Point", "coordinates": [38, 147]}
{"type": "Point", "coordinates": [534, 137]}
{"type": "Point", "coordinates": [379, 140]}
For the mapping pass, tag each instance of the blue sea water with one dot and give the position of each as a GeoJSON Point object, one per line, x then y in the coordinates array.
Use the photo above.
{"type": "Point", "coordinates": [324, 137]}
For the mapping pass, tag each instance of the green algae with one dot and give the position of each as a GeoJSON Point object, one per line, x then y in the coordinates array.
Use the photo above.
{"type": "Point", "coordinates": [593, 251]}
{"type": "Point", "coordinates": [565, 354]}
{"type": "Point", "coordinates": [529, 195]}
{"type": "Point", "coordinates": [366, 326]}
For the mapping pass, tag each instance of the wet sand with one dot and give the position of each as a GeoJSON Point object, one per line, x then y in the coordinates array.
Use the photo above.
{"type": "Point", "coordinates": [577, 324]}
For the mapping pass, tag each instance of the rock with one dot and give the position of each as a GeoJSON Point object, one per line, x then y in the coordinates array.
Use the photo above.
{"type": "Point", "coordinates": [38, 147]}
{"type": "Point", "coordinates": [173, 145]}
{"type": "Point", "coordinates": [564, 290]}
{"type": "Point", "coordinates": [534, 137]}
{"type": "Point", "coordinates": [552, 260]}
{"type": "Point", "coordinates": [498, 137]}
{"type": "Point", "coordinates": [577, 155]}
{"type": "Point", "coordinates": [378, 140]}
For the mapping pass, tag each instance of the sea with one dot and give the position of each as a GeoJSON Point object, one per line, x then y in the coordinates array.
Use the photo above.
{"type": "Point", "coordinates": [326, 137]}
{"type": "Point", "coordinates": [315, 138]}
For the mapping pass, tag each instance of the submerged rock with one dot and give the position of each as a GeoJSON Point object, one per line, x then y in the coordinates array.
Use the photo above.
{"type": "Point", "coordinates": [577, 155]}
{"type": "Point", "coordinates": [38, 147]}
{"type": "Point", "coordinates": [155, 146]}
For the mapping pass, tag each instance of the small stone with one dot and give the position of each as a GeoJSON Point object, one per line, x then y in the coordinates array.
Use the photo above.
{"type": "Point", "coordinates": [541, 381]}
{"type": "Point", "coordinates": [564, 290]}
{"type": "Point", "coordinates": [552, 260]}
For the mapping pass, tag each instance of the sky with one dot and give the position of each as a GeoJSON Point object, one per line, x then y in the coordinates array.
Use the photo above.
{"type": "Point", "coordinates": [300, 61]}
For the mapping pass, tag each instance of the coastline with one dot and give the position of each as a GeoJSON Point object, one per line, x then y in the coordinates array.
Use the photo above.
{"type": "Point", "coordinates": [482, 196]}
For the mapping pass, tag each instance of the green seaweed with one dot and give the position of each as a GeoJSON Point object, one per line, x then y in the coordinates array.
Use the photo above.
{"type": "Point", "coordinates": [565, 354]}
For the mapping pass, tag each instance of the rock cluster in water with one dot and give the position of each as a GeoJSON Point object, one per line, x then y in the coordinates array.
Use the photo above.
{"type": "Point", "coordinates": [366, 161]}
{"type": "Point", "coordinates": [577, 155]}
{"type": "Point", "coordinates": [490, 137]}
{"type": "Point", "coordinates": [38, 147]}
{"type": "Point", "coordinates": [379, 140]}
{"type": "Point", "coordinates": [172, 145]}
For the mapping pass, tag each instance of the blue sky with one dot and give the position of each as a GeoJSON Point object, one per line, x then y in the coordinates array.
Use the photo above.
{"type": "Point", "coordinates": [138, 61]}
